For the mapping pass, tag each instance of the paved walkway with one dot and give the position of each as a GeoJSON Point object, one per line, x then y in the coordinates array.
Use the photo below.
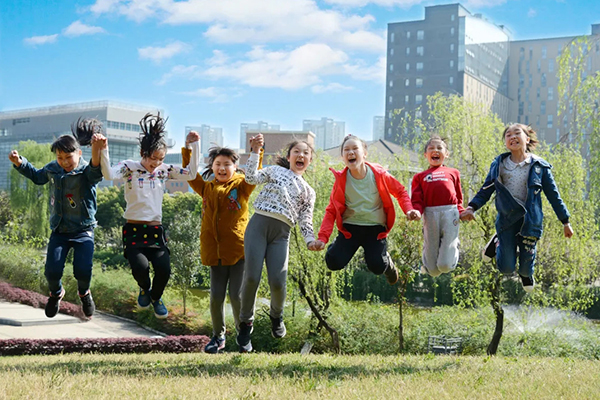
{"type": "Point", "coordinates": [18, 321]}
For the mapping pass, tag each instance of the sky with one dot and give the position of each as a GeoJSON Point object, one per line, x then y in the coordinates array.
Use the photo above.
{"type": "Point", "coordinates": [225, 62]}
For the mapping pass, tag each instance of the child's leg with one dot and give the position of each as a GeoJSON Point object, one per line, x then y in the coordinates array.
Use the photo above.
{"type": "Point", "coordinates": [375, 249]}
{"type": "Point", "coordinates": [255, 250]}
{"type": "Point", "coordinates": [527, 252]}
{"type": "Point", "coordinates": [218, 288]}
{"type": "Point", "coordinates": [431, 240]}
{"type": "Point", "coordinates": [140, 267]}
{"type": "Point", "coordinates": [341, 251]}
{"type": "Point", "coordinates": [506, 254]}
{"type": "Point", "coordinates": [83, 249]}
{"type": "Point", "coordinates": [56, 255]}
{"type": "Point", "coordinates": [236, 277]}
{"type": "Point", "coordinates": [161, 263]}
{"type": "Point", "coordinates": [277, 266]}
{"type": "Point", "coordinates": [448, 254]}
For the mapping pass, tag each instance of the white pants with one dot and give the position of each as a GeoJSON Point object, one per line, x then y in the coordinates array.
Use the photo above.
{"type": "Point", "coordinates": [440, 234]}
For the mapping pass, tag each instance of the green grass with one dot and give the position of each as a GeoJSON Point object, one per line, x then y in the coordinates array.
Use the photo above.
{"type": "Point", "coordinates": [292, 376]}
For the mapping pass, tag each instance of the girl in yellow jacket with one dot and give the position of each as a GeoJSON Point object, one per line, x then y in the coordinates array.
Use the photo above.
{"type": "Point", "coordinates": [224, 220]}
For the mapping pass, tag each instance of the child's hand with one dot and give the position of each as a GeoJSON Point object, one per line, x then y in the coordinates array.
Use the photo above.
{"type": "Point", "coordinates": [413, 215]}
{"type": "Point", "coordinates": [191, 138]}
{"type": "Point", "coordinates": [99, 142]}
{"type": "Point", "coordinates": [468, 214]}
{"type": "Point", "coordinates": [568, 230]}
{"type": "Point", "coordinates": [316, 245]}
{"type": "Point", "coordinates": [256, 142]}
{"type": "Point", "coordinates": [14, 158]}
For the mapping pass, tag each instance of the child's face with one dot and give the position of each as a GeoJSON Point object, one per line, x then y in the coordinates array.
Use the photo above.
{"type": "Point", "coordinates": [299, 158]}
{"type": "Point", "coordinates": [516, 140]}
{"type": "Point", "coordinates": [353, 154]}
{"type": "Point", "coordinates": [436, 153]}
{"type": "Point", "coordinates": [68, 161]}
{"type": "Point", "coordinates": [223, 168]}
{"type": "Point", "coordinates": [154, 161]}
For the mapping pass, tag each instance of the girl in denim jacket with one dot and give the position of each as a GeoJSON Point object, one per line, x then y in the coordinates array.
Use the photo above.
{"type": "Point", "coordinates": [519, 177]}
{"type": "Point", "coordinates": [72, 211]}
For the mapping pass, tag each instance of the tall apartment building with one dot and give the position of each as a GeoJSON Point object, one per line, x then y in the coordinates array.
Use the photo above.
{"type": "Point", "coordinates": [455, 52]}
{"type": "Point", "coordinates": [378, 127]}
{"type": "Point", "coordinates": [45, 124]}
{"type": "Point", "coordinates": [328, 133]}
{"type": "Point", "coordinates": [260, 126]}
{"type": "Point", "coordinates": [209, 136]}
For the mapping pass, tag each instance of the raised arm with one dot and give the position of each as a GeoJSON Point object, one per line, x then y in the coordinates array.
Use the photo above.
{"type": "Point", "coordinates": [119, 171]}
{"type": "Point", "coordinates": [188, 173]}
{"type": "Point", "coordinates": [25, 168]}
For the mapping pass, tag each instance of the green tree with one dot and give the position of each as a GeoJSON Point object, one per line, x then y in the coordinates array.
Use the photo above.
{"type": "Point", "coordinates": [6, 213]}
{"type": "Point", "coordinates": [177, 203]}
{"type": "Point", "coordinates": [111, 206]}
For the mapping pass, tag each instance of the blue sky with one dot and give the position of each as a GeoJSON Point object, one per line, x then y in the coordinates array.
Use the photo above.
{"type": "Point", "coordinates": [223, 62]}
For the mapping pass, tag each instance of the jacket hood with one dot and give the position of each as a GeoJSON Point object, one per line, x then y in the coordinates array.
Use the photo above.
{"type": "Point", "coordinates": [54, 167]}
{"type": "Point", "coordinates": [535, 159]}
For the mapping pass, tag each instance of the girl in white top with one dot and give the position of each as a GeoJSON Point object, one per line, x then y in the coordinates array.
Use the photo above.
{"type": "Point", "coordinates": [144, 239]}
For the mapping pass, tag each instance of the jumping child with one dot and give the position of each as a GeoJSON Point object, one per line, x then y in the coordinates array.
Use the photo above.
{"type": "Point", "coordinates": [519, 177]}
{"type": "Point", "coordinates": [361, 207]}
{"type": "Point", "coordinates": [144, 238]}
{"type": "Point", "coordinates": [72, 211]}
{"type": "Point", "coordinates": [284, 200]}
{"type": "Point", "coordinates": [437, 195]}
{"type": "Point", "coordinates": [224, 220]}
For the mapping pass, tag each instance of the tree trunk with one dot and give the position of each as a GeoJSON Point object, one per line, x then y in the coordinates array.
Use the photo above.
{"type": "Point", "coordinates": [184, 300]}
{"type": "Point", "coordinates": [495, 290]}
{"type": "Point", "coordinates": [401, 292]}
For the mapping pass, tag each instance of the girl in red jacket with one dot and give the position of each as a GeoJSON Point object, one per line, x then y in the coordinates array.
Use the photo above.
{"type": "Point", "coordinates": [437, 194]}
{"type": "Point", "coordinates": [362, 208]}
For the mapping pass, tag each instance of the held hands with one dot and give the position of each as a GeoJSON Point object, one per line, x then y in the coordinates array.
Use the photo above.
{"type": "Point", "coordinates": [256, 142]}
{"type": "Point", "coordinates": [413, 215]}
{"type": "Point", "coordinates": [15, 158]}
{"type": "Point", "coordinates": [192, 137]}
{"type": "Point", "coordinates": [316, 245]}
{"type": "Point", "coordinates": [99, 142]}
{"type": "Point", "coordinates": [468, 214]}
{"type": "Point", "coordinates": [568, 230]}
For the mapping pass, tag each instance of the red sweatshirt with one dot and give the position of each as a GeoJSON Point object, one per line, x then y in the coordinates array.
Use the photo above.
{"type": "Point", "coordinates": [386, 185]}
{"type": "Point", "coordinates": [437, 186]}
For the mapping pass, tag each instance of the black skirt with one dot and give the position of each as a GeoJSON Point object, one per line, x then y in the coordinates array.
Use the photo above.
{"type": "Point", "coordinates": [143, 236]}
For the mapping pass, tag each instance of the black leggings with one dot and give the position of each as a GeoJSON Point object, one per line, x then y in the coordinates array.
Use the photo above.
{"type": "Point", "coordinates": [140, 258]}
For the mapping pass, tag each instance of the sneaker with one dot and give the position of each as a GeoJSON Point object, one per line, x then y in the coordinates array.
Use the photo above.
{"type": "Point", "coordinates": [489, 250]}
{"type": "Point", "coordinates": [243, 337]}
{"type": "Point", "coordinates": [144, 300]}
{"type": "Point", "coordinates": [528, 283]}
{"type": "Point", "coordinates": [277, 327]}
{"type": "Point", "coordinates": [87, 304]}
{"type": "Point", "coordinates": [215, 345]}
{"type": "Point", "coordinates": [391, 273]}
{"type": "Point", "coordinates": [53, 304]}
{"type": "Point", "coordinates": [160, 311]}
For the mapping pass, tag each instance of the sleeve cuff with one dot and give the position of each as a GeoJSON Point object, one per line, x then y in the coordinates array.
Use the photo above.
{"type": "Point", "coordinates": [254, 156]}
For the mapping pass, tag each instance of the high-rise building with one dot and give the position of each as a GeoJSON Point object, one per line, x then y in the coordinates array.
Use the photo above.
{"type": "Point", "coordinates": [378, 127]}
{"type": "Point", "coordinates": [45, 124]}
{"type": "Point", "coordinates": [328, 133]}
{"type": "Point", "coordinates": [260, 126]}
{"type": "Point", "coordinates": [209, 137]}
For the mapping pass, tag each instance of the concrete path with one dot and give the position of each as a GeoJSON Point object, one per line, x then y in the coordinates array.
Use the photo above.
{"type": "Point", "coordinates": [18, 321]}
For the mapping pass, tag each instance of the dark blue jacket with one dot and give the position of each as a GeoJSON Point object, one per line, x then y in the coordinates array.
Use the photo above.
{"type": "Point", "coordinates": [510, 210]}
{"type": "Point", "coordinates": [72, 194]}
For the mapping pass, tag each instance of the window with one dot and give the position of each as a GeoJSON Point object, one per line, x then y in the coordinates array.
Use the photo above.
{"type": "Point", "coordinates": [543, 80]}
{"type": "Point", "coordinates": [527, 120]}
{"type": "Point", "coordinates": [521, 108]}
{"type": "Point", "coordinates": [521, 53]}
{"type": "Point", "coordinates": [539, 66]}
{"type": "Point", "coordinates": [406, 99]}
{"type": "Point", "coordinates": [451, 80]}
{"type": "Point", "coordinates": [544, 52]}
{"type": "Point", "coordinates": [451, 63]}
{"type": "Point", "coordinates": [392, 37]}
{"type": "Point", "coordinates": [419, 82]}
{"type": "Point", "coordinates": [530, 53]}
{"type": "Point", "coordinates": [529, 107]}
{"type": "Point", "coordinates": [530, 81]}
{"type": "Point", "coordinates": [418, 114]}
{"type": "Point", "coordinates": [418, 99]}
{"type": "Point", "coordinates": [419, 66]}
{"type": "Point", "coordinates": [537, 93]}
{"type": "Point", "coordinates": [391, 83]}
{"type": "Point", "coordinates": [408, 51]}
{"type": "Point", "coordinates": [550, 118]}
{"type": "Point", "coordinates": [408, 66]}
{"type": "Point", "coordinates": [550, 93]}
{"type": "Point", "coordinates": [420, 35]}
{"type": "Point", "coordinates": [390, 99]}
{"type": "Point", "coordinates": [451, 31]}
{"type": "Point", "coordinates": [391, 67]}
{"type": "Point", "coordinates": [420, 50]}
{"type": "Point", "coordinates": [521, 81]}
{"type": "Point", "coordinates": [408, 34]}
{"type": "Point", "coordinates": [550, 65]}
{"type": "Point", "coordinates": [122, 126]}
{"type": "Point", "coordinates": [558, 134]}
{"type": "Point", "coordinates": [543, 107]}
{"type": "Point", "coordinates": [527, 93]}
{"type": "Point", "coordinates": [527, 66]}
{"type": "Point", "coordinates": [452, 17]}
{"type": "Point", "coordinates": [452, 48]}
{"type": "Point", "coordinates": [407, 82]}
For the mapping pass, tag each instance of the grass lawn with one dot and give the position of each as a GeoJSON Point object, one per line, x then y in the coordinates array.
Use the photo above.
{"type": "Point", "coordinates": [292, 376]}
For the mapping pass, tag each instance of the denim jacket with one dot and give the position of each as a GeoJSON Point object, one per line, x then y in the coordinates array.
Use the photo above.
{"type": "Point", "coordinates": [510, 210]}
{"type": "Point", "coordinates": [72, 194]}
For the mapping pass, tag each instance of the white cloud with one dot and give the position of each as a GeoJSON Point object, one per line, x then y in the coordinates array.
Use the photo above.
{"type": "Point", "coordinates": [217, 95]}
{"type": "Point", "coordinates": [157, 54]}
{"type": "Point", "coordinates": [181, 71]}
{"type": "Point", "coordinates": [531, 13]}
{"type": "Point", "coordinates": [332, 87]}
{"type": "Point", "coordinates": [78, 28]}
{"type": "Point", "coordinates": [218, 58]}
{"type": "Point", "coordinates": [484, 3]}
{"type": "Point", "coordinates": [360, 70]}
{"type": "Point", "coordinates": [40, 40]}
{"type": "Point", "coordinates": [384, 3]}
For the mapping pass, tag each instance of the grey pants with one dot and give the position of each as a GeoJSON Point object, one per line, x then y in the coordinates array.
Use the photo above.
{"type": "Point", "coordinates": [266, 240]}
{"type": "Point", "coordinates": [219, 277]}
{"type": "Point", "coordinates": [440, 239]}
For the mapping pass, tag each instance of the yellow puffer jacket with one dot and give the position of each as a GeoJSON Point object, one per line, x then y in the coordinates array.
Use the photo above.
{"type": "Point", "coordinates": [224, 216]}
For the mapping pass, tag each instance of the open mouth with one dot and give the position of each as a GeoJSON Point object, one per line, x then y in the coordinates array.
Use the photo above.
{"type": "Point", "coordinates": [351, 160]}
{"type": "Point", "coordinates": [300, 164]}
{"type": "Point", "coordinates": [435, 158]}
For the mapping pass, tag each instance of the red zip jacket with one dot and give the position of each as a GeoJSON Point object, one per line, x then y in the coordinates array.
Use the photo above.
{"type": "Point", "coordinates": [386, 185]}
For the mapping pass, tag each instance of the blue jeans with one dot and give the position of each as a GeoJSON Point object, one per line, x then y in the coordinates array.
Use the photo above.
{"type": "Point", "coordinates": [509, 240]}
{"type": "Point", "coordinates": [83, 251]}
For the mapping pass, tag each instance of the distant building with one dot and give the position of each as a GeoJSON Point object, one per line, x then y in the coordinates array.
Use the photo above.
{"type": "Point", "coordinates": [328, 133]}
{"type": "Point", "coordinates": [209, 136]}
{"type": "Point", "coordinates": [378, 127]}
{"type": "Point", "coordinates": [275, 143]}
{"type": "Point", "coordinates": [260, 126]}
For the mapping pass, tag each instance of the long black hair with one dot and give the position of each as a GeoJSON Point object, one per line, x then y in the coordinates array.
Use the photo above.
{"type": "Point", "coordinates": [283, 161]}
{"type": "Point", "coordinates": [216, 151]}
{"type": "Point", "coordinates": [152, 136]}
{"type": "Point", "coordinates": [83, 130]}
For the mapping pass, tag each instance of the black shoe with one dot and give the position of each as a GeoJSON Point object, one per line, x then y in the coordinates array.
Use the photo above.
{"type": "Point", "coordinates": [243, 337]}
{"type": "Point", "coordinates": [277, 327]}
{"type": "Point", "coordinates": [489, 251]}
{"type": "Point", "coordinates": [215, 345]}
{"type": "Point", "coordinates": [53, 304]}
{"type": "Point", "coordinates": [528, 283]}
{"type": "Point", "coordinates": [87, 304]}
{"type": "Point", "coordinates": [391, 272]}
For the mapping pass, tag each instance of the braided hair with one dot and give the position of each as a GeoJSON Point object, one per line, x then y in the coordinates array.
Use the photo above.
{"type": "Point", "coordinates": [83, 130]}
{"type": "Point", "coordinates": [152, 135]}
